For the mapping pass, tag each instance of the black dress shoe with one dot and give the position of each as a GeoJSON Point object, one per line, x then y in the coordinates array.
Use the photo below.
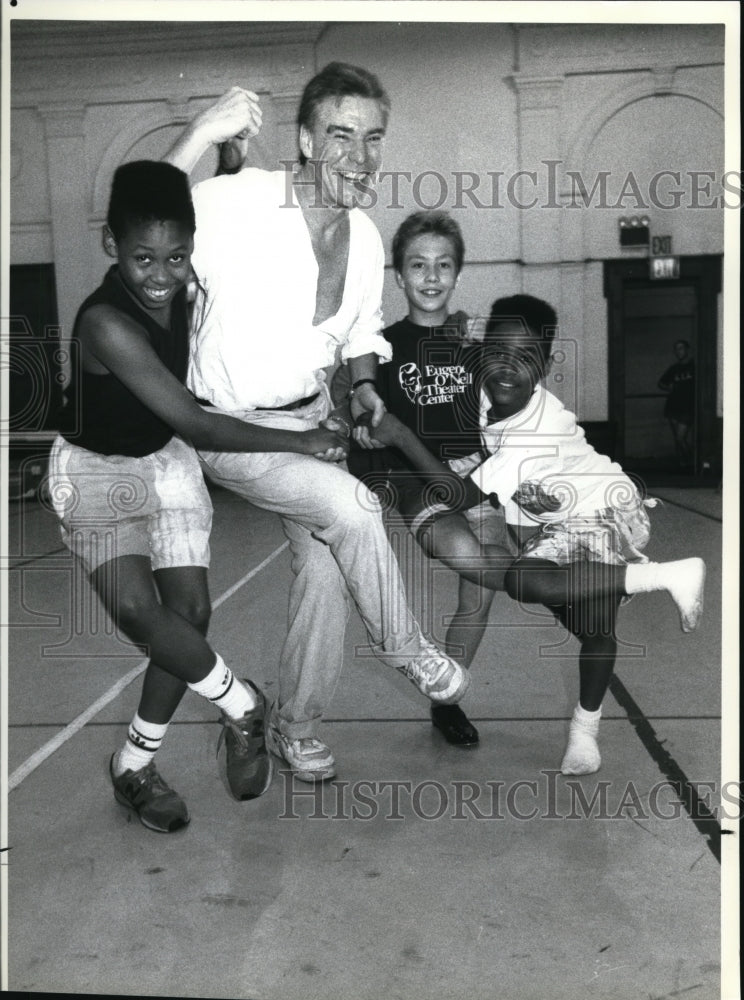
{"type": "Point", "coordinates": [454, 725]}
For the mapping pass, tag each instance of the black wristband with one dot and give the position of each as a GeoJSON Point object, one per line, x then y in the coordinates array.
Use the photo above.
{"type": "Point", "coordinates": [362, 381]}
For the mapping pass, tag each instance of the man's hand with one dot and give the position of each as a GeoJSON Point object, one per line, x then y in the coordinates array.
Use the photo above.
{"type": "Point", "coordinates": [367, 402]}
{"type": "Point", "coordinates": [236, 113]}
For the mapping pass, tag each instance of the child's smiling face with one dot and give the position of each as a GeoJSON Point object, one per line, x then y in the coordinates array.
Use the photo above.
{"type": "Point", "coordinates": [154, 261]}
{"type": "Point", "coordinates": [428, 277]}
{"type": "Point", "coordinates": [513, 363]}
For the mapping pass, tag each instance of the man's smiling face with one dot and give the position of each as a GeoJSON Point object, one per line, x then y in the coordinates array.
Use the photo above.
{"type": "Point", "coordinates": [346, 138]}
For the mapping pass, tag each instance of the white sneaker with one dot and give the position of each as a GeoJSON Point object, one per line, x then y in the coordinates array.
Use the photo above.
{"type": "Point", "coordinates": [309, 759]}
{"type": "Point", "coordinates": [436, 675]}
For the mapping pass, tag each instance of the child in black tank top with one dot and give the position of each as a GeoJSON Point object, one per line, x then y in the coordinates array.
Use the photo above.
{"type": "Point", "coordinates": [130, 495]}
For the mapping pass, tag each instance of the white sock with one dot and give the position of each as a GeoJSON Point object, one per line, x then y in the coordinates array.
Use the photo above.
{"type": "Point", "coordinates": [684, 579]}
{"type": "Point", "coordinates": [143, 742]}
{"type": "Point", "coordinates": [582, 752]}
{"type": "Point", "coordinates": [225, 691]}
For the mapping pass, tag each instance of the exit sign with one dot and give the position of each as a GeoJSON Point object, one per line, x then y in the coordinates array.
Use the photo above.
{"type": "Point", "coordinates": [664, 267]}
{"type": "Point", "coordinates": [661, 245]}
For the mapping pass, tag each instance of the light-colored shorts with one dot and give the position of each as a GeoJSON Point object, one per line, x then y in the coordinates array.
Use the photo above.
{"type": "Point", "coordinates": [115, 505]}
{"type": "Point", "coordinates": [611, 536]}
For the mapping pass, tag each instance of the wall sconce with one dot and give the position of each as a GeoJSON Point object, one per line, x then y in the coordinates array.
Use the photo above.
{"type": "Point", "coordinates": [634, 231]}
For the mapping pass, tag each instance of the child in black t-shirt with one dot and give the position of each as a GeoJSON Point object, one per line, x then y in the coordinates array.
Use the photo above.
{"type": "Point", "coordinates": [429, 384]}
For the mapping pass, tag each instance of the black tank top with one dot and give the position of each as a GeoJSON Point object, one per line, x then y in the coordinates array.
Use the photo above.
{"type": "Point", "coordinates": [100, 413]}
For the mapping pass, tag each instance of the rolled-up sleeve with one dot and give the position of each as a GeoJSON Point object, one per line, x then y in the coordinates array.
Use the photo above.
{"type": "Point", "coordinates": [365, 335]}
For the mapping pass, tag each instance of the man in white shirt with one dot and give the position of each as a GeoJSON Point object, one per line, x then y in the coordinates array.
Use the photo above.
{"type": "Point", "coordinates": [291, 274]}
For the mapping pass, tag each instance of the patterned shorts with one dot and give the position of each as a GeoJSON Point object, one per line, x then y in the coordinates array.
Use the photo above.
{"type": "Point", "coordinates": [115, 505]}
{"type": "Point", "coordinates": [612, 536]}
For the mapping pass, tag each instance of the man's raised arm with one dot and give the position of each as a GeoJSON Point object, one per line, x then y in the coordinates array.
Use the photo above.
{"type": "Point", "coordinates": [237, 112]}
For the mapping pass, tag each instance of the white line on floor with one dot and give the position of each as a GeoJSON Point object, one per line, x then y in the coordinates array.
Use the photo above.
{"type": "Point", "coordinates": [81, 720]}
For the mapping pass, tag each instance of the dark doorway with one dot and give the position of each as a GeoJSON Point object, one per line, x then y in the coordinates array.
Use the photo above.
{"type": "Point", "coordinates": [663, 343]}
{"type": "Point", "coordinates": [35, 356]}
{"type": "Point", "coordinates": [35, 362]}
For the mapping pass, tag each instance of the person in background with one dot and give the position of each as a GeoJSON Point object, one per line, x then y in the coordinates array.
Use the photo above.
{"type": "Point", "coordinates": [678, 381]}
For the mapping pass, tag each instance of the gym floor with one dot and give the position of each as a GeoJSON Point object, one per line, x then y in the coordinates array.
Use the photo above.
{"type": "Point", "coordinates": [424, 870]}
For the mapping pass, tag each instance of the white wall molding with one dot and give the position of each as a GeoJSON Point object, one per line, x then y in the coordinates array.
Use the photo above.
{"type": "Point", "coordinates": [639, 87]}
{"type": "Point", "coordinates": [588, 48]}
{"type": "Point", "coordinates": [42, 40]}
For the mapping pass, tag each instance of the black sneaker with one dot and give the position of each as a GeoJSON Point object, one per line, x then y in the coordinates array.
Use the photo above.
{"type": "Point", "coordinates": [157, 805]}
{"type": "Point", "coordinates": [454, 725]}
{"type": "Point", "coordinates": [245, 763]}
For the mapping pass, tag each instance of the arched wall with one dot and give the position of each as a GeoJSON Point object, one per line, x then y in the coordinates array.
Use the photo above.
{"type": "Point", "coordinates": [472, 103]}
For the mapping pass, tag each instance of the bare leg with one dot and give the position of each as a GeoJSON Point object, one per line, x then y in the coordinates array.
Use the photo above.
{"type": "Point", "coordinates": [468, 624]}
{"type": "Point", "coordinates": [184, 590]}
{"type": "Point", "coordinates": [594, 626]}
{"type": "Point", "coordinates": [126, 587]}
{"type": "Point", "coordinates": [481, 569]}
{"type": "Point", "coordinates": [172, 631]}
{"type": "Point", "coordinates": [595, 629]}
{"type": "Point", "coordinates": [450, 540]}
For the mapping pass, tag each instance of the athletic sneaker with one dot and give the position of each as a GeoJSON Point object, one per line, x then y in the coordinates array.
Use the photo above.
{"type": "Point", "coordinates": [158, 806]}
{"type": "Point", "coordinates": [244, 761]}
{"type": "Point", "coordinates": [436, 675]}
{"type": "Point", "coordinates": [309, 759]}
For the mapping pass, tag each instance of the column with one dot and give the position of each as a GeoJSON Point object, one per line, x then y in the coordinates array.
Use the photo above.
{"type": "Point", "coordinates": [540, 153]}
{"type": "Point", "coordinates": [70, 198]}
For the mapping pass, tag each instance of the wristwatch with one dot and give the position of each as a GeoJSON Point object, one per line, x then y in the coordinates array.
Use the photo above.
{"type": "Point", "coordinates": [359, 382]}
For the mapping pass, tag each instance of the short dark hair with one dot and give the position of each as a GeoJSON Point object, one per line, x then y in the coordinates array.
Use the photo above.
{"type": "Point", "coordinates": [536, 315]}
{"type": "Point", "coordinates": [149, 191]}
{"type": "Point", "coordinates": [339, 79]}
{"type": "Point", "coordinates": [419, 223]}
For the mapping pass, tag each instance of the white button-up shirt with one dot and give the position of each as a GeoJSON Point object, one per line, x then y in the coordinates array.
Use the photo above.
{"type": "Point", "coordinates": [254, 344]}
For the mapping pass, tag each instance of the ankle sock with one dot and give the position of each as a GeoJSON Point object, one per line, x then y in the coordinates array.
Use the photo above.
{"type": "Point", "coordinates": [143, 742]}
{"type": "Point", "coordinates": [224, 690]}
{"type": "Point", "coordinates": [582, 752]}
